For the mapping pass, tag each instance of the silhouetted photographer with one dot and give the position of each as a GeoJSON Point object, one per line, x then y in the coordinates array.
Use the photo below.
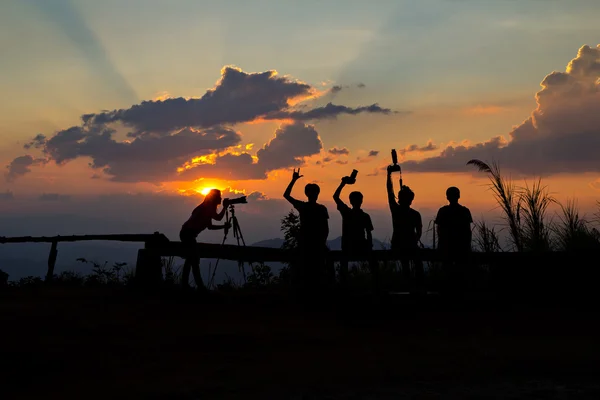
{"type": "Point", "coordinates": [201, 219]}
{"type": "Point", "coordinates": [357, 228]}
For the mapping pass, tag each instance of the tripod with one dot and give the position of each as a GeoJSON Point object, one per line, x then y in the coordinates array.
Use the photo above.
{"type": "Point", "coordinates": [237, 234]}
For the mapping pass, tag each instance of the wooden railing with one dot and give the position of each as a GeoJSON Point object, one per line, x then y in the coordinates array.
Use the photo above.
{"type": "Point", "coordinates": [149, 240]}
{"type": "Point", "coordinates": [157, 245]}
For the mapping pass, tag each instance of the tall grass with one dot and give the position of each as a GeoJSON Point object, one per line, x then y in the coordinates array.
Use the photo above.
{"type": "Point", "coordinates": [525, 210]}
{"type": "Point", "coordinates": [172, 272]}
{"type": "Point", "coordinates": [573, 232]}
{"type": "Point", "coordinates": [534, 202]}
{"type": "Point", "coordinates": [486, 238]}
{"type": "Point", "coordinates": [507, 196]}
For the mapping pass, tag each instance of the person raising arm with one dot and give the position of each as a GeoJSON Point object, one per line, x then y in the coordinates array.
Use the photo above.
{"type": "Point", "coordinates": [390, 190]}
{"type": "Point", "coordinates": [288, 191]}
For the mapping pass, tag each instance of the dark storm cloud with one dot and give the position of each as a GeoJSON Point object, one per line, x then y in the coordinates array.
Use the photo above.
{"type": "Point", "coordinates": [330, 111]}
{"type": "Point", "coordinates": [338, 151]}
{"type": "Point", "coordinates": [372, 154]}
{"type": "Point", "coordinates": [290, 145]}
{"type": "Point", "coordinates": [562, 135]}
{"type": "Point", "coordinates": [166, 134]}
{"type": "Point", "coordinates": [54, 197]}
{"type": "Point", "coordinates": [338, 88]}
{"type": "Point", "coordinates": [21, 166]}
{"type": "Point", "coordinates": [237, 97]}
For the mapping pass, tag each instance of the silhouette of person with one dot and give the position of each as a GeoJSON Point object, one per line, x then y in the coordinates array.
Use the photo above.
{"type": "Point", "coordinates": [454, 238]}
{"type": "Point", "coordinates": [200, 220]}
{"type": "Point", "coordinates": [407, 229]}
{"type": "Point", "coordinates": [357, 239]}
{"type": "Point", "coordinates": [314, 229]}
{"type": "Point", "coordinates": [454, 225]}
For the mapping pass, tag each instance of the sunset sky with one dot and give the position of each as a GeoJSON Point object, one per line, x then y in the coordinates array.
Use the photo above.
{"type": "Point", "coordinates": [160, 99]}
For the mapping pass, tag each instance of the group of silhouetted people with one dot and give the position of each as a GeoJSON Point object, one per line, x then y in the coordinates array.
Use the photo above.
{"type": "Point", "coordinates": [310, 269]}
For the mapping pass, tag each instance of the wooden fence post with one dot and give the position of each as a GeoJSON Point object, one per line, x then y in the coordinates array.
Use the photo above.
{"type": "Point", "coordinates": [52, 260]}
{"type": "Point", "coordinates": [148, 270]}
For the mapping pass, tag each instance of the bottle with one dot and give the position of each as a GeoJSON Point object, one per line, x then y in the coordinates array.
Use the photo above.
{"type": "Point", "coordinates": [395, 165]}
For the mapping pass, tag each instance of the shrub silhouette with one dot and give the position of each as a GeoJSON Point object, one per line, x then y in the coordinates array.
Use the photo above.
{"type": "Point", "coordinates": [3, 279]}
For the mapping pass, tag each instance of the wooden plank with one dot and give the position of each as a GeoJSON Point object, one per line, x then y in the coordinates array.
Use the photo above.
{"type": "Point", "coordinates": [226, 252]}
{"type": "Point", "coordinates": [266, 254]}
{"type": "Point", "coordinates": [159, 245]}
{"type": "Point", "coordinates": [77, 238]}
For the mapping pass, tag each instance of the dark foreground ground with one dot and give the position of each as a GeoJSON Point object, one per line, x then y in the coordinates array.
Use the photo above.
{"type": "Point", "coordinates": [98, 343]}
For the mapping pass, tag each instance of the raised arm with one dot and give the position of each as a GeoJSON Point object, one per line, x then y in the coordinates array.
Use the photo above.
{"type": "Point", "coordinates": [288, 191]}
{"type": "Point", "coordinates": [219, 215]}
{"type": "Point", "coordinates": [338, 191]}
{"type": "Point", "coordinates": [390, 189]}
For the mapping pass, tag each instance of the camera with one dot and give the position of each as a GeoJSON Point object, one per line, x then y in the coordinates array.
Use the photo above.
{"type": "Point", "coordinates": [350, 180]}
{"type": "Point", "coordinates": [230, 202]}
{"type": "Point", "coordinates": [395, 166]}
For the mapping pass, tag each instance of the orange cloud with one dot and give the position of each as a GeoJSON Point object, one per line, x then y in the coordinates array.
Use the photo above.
{"type": "Point", "coordinates": [314, 94]}
{"type": "Point", "coordinates": [484, 110]}
{"type": "Point", "coordinates": [261, 120]}
{"type": "Point", "coordinates": [212, 158]}
{"type": "Point", "coordinates": [194, 162]}
{"type": "Point", "coordinates": [160, 96]}
{"type": "Point", "coordinates": [203, 189]}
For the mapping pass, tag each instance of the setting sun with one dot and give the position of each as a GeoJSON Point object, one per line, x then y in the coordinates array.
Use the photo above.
{"type": "Point", "coordinates": [204, 191]}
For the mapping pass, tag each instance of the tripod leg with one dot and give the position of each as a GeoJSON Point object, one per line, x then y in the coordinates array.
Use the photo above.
{"type": "Point", "coordinates": [235, 227]}
{"type": "Point", "coordinates": [241, 236]}
{"type": "Point", "coordinates": [212, 278]}
{"type": "Point", "coordinates": [237, 232]}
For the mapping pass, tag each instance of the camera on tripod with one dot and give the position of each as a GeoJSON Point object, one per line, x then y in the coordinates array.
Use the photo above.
{"type": "Point", "coordinates": [395, 166]}
{"type": "Point", "coordinates": [237, 233]}
{"type": "Point", "coordinates": [231, 202]}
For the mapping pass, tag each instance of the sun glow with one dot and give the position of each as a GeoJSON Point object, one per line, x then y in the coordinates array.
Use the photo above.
{"type": "Point", "coordinates": [204, 191]}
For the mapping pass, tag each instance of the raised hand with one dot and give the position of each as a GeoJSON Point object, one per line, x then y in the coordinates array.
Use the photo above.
{"type": "Point", "coordinates": [348, 180]}
{"type": "Point", "coordinates": [296, 175]}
